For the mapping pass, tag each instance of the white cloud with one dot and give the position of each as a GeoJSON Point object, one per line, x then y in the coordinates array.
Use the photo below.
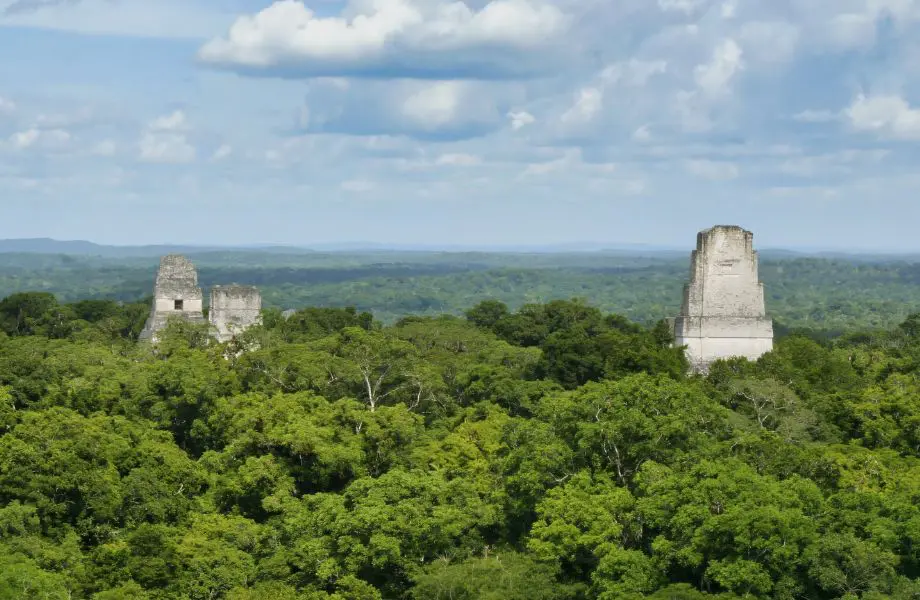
{"type": "Point", "coordinates": [588, 103]}
{"type": "Point", "coordinates": [712, 170]}
{"type": "Point", "coordinates": [136, 18]}
{"type": "Point", "coordinates": [543, 168]}
{"type": "Point", "coordinates": [834, 163]}
{"type": "Point", "coordinates": [50, 139]}
{"type": "Point", "coordinates": [7, 106]}
{"type": "Point", "coordinates": [459, 160]}
{"type": "Point", "coordinates": [642, 134]}
{"type": "Point", "coordinates": [852, 29]}
{"type": "Point", "coordinates": [435, 105]}
{"type": "Point", "coordinates": [520, 119]}
{"type": "Point", "coordinates": [166, 149]}
{"type": "Point", "coordinates": [358, 186]}
{"type": "Point", "coordinates": [887, 115]}
{"type": "Point", "coordinates": [633, 73]}
{"type": "Point", "coordinates": [174, 121]}
{"type": "Point", "coordinates": [399, 37]}
{"type": "Point", "coordinates": [24, 139]}
{"type": "Point", "coordinates": [714, 77]}
{"type": "Point", "coordinates": [105, 148]}
{"type": "Point", "coordinates": [165, 142]}
{"type": "Point", "coordinates": [224, 151]}
{"type": "Point", "coordinates": [769, 41]}
{"type": "Point", "coordinates": [421, 109]}
{"type": "Point", "coordinates": [684, 6]}
{"type": "Point", "coordinates": [571, 160]}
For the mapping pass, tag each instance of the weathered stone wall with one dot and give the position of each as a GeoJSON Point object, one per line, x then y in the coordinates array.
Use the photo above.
{"type": "Point", "coordinates": [176, 284]}
{"type": "Point", "coordinates": [233, 309]}
{"type": "Point", "coordinates": [723, 313]}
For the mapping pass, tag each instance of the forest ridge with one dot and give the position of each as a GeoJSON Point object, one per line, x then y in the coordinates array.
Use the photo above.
{"type": "Point", "coordinates": [832, 294]}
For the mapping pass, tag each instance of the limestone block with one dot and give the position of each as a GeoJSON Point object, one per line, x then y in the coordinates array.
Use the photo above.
{"type": "Point", "coordinates": [723, 313]}
{"type": "Point", "coordinates": [176, 295]}
{"type": "Point", "coordinates": [233, 309]}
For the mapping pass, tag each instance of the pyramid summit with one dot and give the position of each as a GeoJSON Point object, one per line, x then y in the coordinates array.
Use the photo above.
{"type": "Point", "coordinates": [723, 313]}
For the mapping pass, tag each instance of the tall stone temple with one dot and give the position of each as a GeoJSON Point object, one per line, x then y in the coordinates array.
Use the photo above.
{"type": "Point", "coordinates": [723, 312]}
{"type": "Point", "coordinates": [176, 294]}
{"type": "Point", "coordinates": [233, 310]}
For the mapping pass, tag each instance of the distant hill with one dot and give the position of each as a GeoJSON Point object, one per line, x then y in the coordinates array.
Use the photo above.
{"type": "Point", "coordinates": [86, 248]}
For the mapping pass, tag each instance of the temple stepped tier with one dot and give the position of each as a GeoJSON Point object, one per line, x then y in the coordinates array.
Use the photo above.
{"type": "Point", "coordinates": [233, 308]}
{"type": "Point", "coordinates": [176, 295]}
{"type": "Point", "coordinates": [723, 312]}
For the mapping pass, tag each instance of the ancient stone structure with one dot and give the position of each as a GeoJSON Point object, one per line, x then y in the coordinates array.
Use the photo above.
{"type": "Point", "coordinates": [723, 313]}
{"type": "Point", "coordinates": [176, 294]}
{"type": "Point", "coordinates": [233, 309]}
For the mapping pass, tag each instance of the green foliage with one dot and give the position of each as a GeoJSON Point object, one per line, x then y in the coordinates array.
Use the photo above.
{"type": "Point", "coordinates": [819, 297]}
{"type": "Point", "coordinates": [506, 576]}
{"type": "Point", "coordinates": [547, 451]}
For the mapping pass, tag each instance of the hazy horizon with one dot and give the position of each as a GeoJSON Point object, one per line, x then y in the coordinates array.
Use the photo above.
{"type": "Point", "coordinates": [15, 244]}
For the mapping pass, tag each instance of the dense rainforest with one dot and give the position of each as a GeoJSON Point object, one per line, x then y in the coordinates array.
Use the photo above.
{"type": "Point", "coordinates": [550, 451]}
{"type": "Point", "coordinates": [835, 294]}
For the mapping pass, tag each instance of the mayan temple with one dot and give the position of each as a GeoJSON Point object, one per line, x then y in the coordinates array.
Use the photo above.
{"type": "Point", "coordinates": [233, 309]}
{"type": "Point", "coordinates": [723, 312]}
{"type": "Point", "coordinates": [176, 294]}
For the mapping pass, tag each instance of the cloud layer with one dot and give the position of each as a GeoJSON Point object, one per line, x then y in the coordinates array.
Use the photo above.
{"type": "Point", "coordinates": [433, 39]}
{"type": "Point", "coordinates": [566, 118]}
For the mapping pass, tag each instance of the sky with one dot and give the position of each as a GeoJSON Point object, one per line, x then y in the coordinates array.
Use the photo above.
{"type": "Point", "coordinates": [474, 122]}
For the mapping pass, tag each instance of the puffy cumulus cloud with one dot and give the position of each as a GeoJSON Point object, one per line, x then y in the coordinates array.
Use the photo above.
{"type": "Point", "coordinates": [434, 39]}
{"type": "Point", "coordinates": [609, 87]}
{"type": "Point", "coordinates": [588, 103]}
{"type": "Point", "coordinates": [174, 121]}
{"type": "Point", "coordinates": [165, 141]}
{"type": "Point", "coordinates": [886, 115]}
{"type": "Point", "coordinates": [713, 78]}
{"type": "Point", "coordinates": [166, 149]}
{"type": "Point", "coordinates": [435, 106]}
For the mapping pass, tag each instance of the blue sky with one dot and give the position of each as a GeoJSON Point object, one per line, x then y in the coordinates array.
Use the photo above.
{"type": "Point", "coordinates": [448, 122]}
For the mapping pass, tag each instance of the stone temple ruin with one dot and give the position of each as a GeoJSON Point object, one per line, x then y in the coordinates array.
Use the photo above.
{"type": "Point", "coordinates": [723, 313]}
{"type": "Point", "coordinates": [175, 294]}
{"type": "Point", "coordinates": [233, 308]}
